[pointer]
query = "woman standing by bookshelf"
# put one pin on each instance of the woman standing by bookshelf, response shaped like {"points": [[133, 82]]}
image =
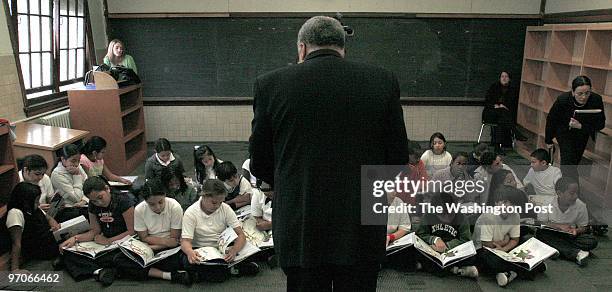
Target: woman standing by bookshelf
{"points": [[572, 126], [572, 119]]}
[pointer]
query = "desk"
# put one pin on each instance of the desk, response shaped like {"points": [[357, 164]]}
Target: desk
{"points": [[44, 141]]}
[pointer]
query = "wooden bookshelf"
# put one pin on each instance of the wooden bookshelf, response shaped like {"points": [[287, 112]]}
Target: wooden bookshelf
{"points": [[8, 168], [117, 115], [554, 55]]}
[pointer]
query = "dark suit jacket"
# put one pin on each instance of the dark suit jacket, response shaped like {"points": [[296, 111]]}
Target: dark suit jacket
{"points": [[315, 124]]}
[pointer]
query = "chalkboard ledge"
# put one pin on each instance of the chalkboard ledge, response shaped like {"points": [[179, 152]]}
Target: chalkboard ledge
{"points": [[228, 101]]}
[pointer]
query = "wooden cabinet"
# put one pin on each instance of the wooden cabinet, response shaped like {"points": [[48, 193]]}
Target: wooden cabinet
{"points": [[8, 168], [117, 116], [554, 55]]}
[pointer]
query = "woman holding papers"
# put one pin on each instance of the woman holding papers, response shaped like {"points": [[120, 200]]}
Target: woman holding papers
{"points": [[29, 227], [111, 219], [157, 221], [572, 119]]}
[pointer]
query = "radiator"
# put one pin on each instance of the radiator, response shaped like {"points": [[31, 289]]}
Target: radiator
{"points": [[58, 119]]}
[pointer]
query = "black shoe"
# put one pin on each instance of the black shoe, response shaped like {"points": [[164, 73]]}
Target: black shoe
{"points": [[106, 276], [599, 230], [245, 269], [273, 261], [58, 264], [181, 278]]}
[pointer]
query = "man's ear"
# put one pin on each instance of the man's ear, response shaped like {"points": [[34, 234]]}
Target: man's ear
{"points": [[301, 52]]}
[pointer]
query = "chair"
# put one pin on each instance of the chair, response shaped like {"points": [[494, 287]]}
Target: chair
{"points": [[492, 126]]}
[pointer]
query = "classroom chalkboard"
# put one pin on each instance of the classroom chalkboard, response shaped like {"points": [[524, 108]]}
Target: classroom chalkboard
{"points": [[220, 57]]}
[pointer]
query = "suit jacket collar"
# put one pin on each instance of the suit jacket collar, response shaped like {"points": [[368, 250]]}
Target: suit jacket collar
{"points": [[322, 52]]}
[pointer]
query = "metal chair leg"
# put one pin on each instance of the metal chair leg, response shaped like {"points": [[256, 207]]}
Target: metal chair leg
{"points": [[480, 135]]}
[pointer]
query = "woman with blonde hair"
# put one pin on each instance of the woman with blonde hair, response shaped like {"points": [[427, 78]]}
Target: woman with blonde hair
{"points": [[116, 56]]}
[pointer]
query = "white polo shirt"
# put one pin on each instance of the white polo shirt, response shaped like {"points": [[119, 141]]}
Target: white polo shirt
{"points": [[158, 225], [543, 182], [46, 188], [490, 227], [397, 221], [203, 229], [575, 214], [259, 207], [14, 217]]}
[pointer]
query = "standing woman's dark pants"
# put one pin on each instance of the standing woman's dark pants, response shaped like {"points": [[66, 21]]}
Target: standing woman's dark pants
{"points": [[572, 147], [502, 133]]}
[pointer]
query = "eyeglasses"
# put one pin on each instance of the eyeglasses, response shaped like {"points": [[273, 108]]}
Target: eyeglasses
{"points": [[586, 93]]}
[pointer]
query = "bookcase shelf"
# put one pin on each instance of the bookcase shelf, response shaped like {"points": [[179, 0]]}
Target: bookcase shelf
{"points": [[554, 55], [8, 168], [118, 117]]}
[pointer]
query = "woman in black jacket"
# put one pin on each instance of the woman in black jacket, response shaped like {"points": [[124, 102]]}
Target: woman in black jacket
{"points": [[572, 130], [501, 103]]}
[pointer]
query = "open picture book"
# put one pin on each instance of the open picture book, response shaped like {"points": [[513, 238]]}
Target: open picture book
{"points": [[94, 250], [447, 258], [142, 254], [71, 228], [260, 239], [132, 179], [214, 255], [527, 255], [400, 244]]}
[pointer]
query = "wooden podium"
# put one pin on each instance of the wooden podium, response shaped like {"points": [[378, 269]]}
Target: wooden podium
{"points": [[115, 114]]}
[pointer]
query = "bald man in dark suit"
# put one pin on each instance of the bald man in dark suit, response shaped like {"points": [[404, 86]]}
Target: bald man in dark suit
{"points": [[315, 124]]}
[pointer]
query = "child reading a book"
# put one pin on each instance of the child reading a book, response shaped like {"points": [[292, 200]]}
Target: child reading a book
{"points": [[29, 227], [398, 225], [33, 168], [111, 218], [501, 232], [92, 160], [157, 221], [67, 179], [203, 222], [415, 171], [261, 208], [163, 158], [541, 177], [174, 182], [569, 214], [444, 231], [205, 162], [239, 189]]}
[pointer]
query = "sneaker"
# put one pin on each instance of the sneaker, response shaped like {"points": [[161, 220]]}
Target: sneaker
{"points": [[468, 271], [106, 276], [245, 269], [581, 258], [181, 278], [504, 278]]}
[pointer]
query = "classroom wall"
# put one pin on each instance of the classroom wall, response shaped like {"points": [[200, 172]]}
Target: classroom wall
{"points": [[233, 123], [387, 6], [98, 28], [10, 90], [560, 6]]}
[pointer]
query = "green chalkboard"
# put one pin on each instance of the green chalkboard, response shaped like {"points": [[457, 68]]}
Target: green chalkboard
{"points": [[220, 57]]}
